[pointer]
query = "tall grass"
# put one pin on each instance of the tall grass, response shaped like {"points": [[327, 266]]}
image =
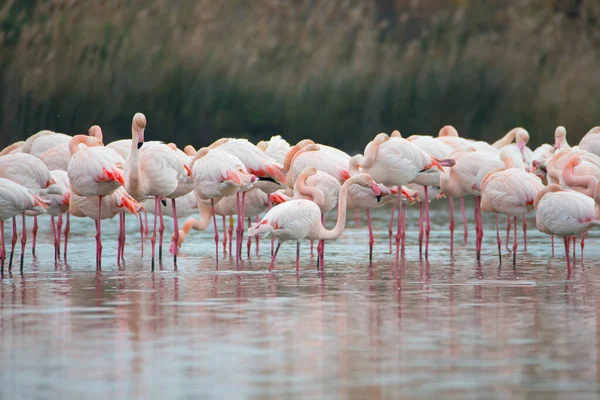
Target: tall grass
{"points": [[338, 71]]}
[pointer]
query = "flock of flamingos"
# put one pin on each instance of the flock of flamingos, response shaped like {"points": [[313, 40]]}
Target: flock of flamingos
{"points": [[296, 186]]}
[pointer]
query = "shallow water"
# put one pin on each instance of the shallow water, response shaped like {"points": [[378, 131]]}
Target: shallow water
{"points": [[446, 328]]}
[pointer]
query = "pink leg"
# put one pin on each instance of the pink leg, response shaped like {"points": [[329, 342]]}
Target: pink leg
{"points": [[249, 242], [498, 241], [421, 229], [515, 243], [123, 215], [13, 242], [427, 222], [312, 243], [53, 225], [403, 212], [147, 227], [257, 238], [391, 227], [238, 229], [224, 235], [58, 232], [524, 233], [480, 238], [398, 234], [574, 238], [230, 235], [212, 205], [153, 239], [321, 246], [270, 203], [297, 256], [141, 234], [175, 230], [99, 235], [161, 232], [371, 239], [476, 212], [582, 245], [34, 231], [552, 246], [272, 265], [67, 230], [119, 239], [567, 241], [508, 226], [243, 210], [356, 217], [3, 249], [23, 241], [451, 209], [464, 218]]}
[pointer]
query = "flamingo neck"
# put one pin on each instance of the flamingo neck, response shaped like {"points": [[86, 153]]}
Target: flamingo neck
{"points": [[548, 189], [588, 182], [341, 213], [371, 150], [309, 191], [506, 139]]}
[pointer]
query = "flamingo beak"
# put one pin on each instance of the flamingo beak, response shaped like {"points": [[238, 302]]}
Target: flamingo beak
{"points": [[188, 171], [376, 190], [407, 194], [130, 204], [140, 136], [39, 202]]}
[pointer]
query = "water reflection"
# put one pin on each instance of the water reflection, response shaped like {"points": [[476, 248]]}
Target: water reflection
{"points": [[443, 327]]}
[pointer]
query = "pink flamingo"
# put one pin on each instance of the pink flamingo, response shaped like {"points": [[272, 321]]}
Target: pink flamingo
{"points": [[152, 170], [42, 141], [14, 200], [12, 148], [299, 219], [511, 192], [218, 174], [94, 170], [30, 172], [591, 141], [565, 213], [324, 158]]}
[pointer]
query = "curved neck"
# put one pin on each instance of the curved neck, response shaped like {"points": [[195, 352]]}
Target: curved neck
{"points": [[197, 224], [354, 164], [371, 150], [507, 139], [309, 191], [287, 161], [95, 131], [89, 141], [341, 213], [588, 182]]}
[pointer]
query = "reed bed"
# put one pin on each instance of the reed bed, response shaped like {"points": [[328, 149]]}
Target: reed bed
{"points": [[338, 71]]}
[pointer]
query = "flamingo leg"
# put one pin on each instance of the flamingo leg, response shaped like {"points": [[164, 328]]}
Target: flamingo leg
{"points": [[249, 242], [582, 244], [391, 227], [257, 238], [142, 233], [243, 210], [321, 246], [464, 218], [515, 243], [297, 256], [403, 212], [480, 237], [212, 205], [23, 241], [238, 230], [161, 232], [398, 235], [421, 229], [175, 230], [552, 246], [499, 241], [272, 265], [508, 227], [53, 225], [59, 224], [427, 222], [451, 209], [119, 239], [270, 204], [34, 234], [123, 215], [371, 239], [99, 235], [224, 235], [524, 232], [147, 227], [230, 235], [67, 230], [13, 242], [3, 249], [153, 239], [476, 212], [567, 241], [312, 243]]}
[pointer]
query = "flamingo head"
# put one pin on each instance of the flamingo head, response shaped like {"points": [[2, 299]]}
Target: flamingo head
{"points": [[138, 126], [522, 138], [95, 131], [448, 131], [189, 150], [559, 137]]}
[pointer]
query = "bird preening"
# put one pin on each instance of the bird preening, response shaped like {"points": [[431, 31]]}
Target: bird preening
{"points": [[285, 192]]}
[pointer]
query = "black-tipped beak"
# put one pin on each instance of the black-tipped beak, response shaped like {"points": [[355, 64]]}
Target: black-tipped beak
{"points": [[164, 202], [378, 197], [140, 144]]}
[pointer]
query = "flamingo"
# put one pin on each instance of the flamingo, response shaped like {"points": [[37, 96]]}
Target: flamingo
{"points": [[13, 148], [42, 141], [14, 200], [152, 170], [219, 174], [511, 192], [94, 170], [565, 213], [591, 141], [30, 172], [299, 219], [520, 136], [324, 158], [276, 148]]}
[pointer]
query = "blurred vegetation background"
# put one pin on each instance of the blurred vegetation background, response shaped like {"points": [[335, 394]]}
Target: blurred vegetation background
{"points": [[336, 71]]}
